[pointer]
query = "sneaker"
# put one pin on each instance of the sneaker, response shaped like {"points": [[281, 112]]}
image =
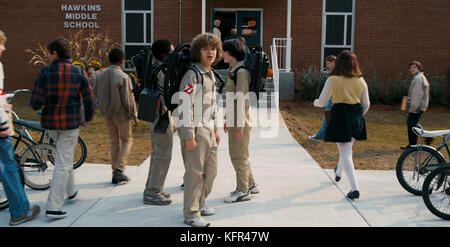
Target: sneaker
{"points": [[119, 177], [197, 222], [207, 211], [73, 196], [182, 186], [56, 214], [253, 189], [157, 200], [237, 196], [31, 214]]}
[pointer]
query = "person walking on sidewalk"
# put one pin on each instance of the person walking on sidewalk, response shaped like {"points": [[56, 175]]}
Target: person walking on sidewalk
{"points": [[330, 63], [198, 131], [238, 86], [350, 96], [57, 92], [418, 96], [19, 206], [113, 89], [161, 135]]}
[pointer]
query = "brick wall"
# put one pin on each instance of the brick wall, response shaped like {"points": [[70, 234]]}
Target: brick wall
{"points": [[388, 33], [29, 23]]}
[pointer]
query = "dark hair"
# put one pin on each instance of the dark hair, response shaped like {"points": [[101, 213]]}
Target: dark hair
{"points": [[347, 65], [235, 48], [62, 47], [161, 48], [418, 65], [330, 58], [116, 55], [204, 40]]}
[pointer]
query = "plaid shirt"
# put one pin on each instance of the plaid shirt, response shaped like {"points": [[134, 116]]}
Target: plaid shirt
{"points": [[58, 89]]}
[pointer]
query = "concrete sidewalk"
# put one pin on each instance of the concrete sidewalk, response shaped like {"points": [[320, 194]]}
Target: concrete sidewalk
{"points": [[295, 191]]}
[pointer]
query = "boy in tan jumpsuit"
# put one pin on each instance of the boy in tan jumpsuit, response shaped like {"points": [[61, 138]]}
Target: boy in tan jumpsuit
{"points": [[162, 141], [238, 84], [198, 130]]}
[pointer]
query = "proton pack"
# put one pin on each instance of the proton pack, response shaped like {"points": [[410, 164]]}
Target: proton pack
{"points": [[258, 66]]}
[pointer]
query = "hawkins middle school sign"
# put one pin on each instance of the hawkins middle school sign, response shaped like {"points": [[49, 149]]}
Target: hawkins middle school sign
{"points": [[81, 15]]}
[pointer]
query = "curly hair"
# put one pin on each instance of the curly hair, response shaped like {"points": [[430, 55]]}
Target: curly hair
{"points": [[205, 40]]}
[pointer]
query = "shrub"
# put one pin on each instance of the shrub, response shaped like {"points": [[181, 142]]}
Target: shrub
{"points": [[311, 83]]}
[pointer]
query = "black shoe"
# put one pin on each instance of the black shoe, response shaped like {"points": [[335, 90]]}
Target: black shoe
{"points": [[406, 147], [119, 177], [337, 178], [73, 196], [353, 194], [56, 214], [182, 187]]}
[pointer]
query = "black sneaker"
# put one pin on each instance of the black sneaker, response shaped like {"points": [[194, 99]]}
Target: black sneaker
{"points": [[119, 177], [73, 196], [182, 186], [56, 214], [156, 200]]}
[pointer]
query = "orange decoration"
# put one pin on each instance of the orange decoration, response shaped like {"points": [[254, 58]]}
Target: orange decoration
{"points": [[251, 23], [246, 31], [269, 73]]}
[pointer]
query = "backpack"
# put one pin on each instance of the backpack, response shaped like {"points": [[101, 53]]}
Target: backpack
{"points": [[258, 66], [142, 67], [175, 67]]}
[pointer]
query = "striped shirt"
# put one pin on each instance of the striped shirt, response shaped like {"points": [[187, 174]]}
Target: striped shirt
{"points": [[58, 90]]}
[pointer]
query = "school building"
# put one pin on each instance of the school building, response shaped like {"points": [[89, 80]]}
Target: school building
{"points": [[385, 34]]}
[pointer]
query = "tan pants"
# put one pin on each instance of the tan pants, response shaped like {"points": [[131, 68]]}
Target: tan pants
{"points": [[62, 184], [239, 153], [201, 170], [159, 161], [121, 140]]}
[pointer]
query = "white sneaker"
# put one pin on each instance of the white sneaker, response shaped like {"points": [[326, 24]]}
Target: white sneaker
{"points": [[253, 189], [197, 222], [237, 196], [207, 211]]}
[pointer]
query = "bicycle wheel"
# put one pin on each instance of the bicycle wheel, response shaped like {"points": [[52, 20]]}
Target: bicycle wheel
{"points": [[436, 192], [3, 200], [38, 164], [410, 173], [80, 154]]}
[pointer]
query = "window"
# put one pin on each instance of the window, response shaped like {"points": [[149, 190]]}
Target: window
{"points": [[137, 26], [337, 27]]}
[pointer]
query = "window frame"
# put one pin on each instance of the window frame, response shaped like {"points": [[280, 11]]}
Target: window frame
{"points": [[324, 30], [124, 27]]}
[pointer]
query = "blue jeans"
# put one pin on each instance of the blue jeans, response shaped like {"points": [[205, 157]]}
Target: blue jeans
{"points": [[9, 174], [321, 134]]}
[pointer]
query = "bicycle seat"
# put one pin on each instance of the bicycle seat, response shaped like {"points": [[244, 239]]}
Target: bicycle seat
{"points": [[29, 124], [425, 133]]}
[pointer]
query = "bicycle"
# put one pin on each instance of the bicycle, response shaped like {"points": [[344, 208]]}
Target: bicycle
{"points": [[436, 192], [418, 161], [36, 158]]}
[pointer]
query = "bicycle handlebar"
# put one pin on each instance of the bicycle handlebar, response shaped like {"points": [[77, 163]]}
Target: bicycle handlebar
{"points": [[10, 96]]}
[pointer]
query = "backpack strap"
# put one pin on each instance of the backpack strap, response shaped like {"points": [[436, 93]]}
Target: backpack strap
{"points": [[234, 76], [197, 72]]}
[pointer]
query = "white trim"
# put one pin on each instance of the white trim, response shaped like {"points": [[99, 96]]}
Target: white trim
{"points": [[203, 16], [288, 36], [261, 38]]}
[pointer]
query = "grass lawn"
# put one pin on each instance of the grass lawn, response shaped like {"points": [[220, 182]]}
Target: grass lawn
{"points": [[96, 135], [386, 133]]}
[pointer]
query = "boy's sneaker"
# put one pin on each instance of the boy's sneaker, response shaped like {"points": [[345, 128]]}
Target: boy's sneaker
{"points": [[31, 214], [73, 196], [197, 222], [253, 189], [119, 177], [237, 196], [56, 214], [182, 186], [156, 200], [207, 211]]}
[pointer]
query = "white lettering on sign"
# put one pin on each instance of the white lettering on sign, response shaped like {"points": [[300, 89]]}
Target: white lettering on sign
{"points": [[77, 17]]}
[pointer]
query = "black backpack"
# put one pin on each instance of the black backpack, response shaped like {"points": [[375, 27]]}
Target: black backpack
{"points": [[258, 66], [143, 70], [175, 67]]}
